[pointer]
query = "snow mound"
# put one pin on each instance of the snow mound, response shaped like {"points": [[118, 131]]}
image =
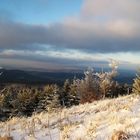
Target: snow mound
{"points": [[95, 121]]}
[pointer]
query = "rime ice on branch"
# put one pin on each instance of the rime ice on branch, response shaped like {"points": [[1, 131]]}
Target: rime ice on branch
{"points": [[96, 85]]}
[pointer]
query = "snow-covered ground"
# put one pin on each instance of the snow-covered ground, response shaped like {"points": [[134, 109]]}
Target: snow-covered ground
{"points": [[96, 121]]}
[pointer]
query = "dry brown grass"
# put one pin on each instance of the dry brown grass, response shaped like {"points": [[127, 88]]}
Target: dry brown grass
{"points": [[120, 135], [6, 138]]}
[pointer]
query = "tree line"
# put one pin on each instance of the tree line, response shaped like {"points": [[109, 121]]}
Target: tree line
{"points": [[23, 100]]}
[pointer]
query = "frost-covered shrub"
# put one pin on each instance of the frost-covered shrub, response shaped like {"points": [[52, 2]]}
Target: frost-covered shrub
{"points": [[88, 88], [96, 85], [136, 84], [106, 82]]}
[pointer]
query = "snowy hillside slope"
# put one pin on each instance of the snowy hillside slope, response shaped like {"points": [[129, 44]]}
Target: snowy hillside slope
{"points": [[100, 120]]}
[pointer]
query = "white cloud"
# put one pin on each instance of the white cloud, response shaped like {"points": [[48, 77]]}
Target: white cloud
{"points": [[112, 9]]}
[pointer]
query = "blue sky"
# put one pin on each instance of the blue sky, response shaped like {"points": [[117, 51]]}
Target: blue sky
{"points": [[40, 11], [68, 34]]}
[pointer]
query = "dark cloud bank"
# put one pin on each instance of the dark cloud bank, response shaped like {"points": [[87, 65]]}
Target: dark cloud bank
{"points": [[20, 36]]}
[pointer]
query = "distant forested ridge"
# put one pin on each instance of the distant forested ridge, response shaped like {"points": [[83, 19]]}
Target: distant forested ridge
{"points": [[36, 77]]}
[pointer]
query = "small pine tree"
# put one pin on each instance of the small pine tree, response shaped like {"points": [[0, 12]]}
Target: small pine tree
{"points": [[136, 85], [65, 94], [74, 98], [68, 94], [50, 99], [1, 101], [25, 102]]}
